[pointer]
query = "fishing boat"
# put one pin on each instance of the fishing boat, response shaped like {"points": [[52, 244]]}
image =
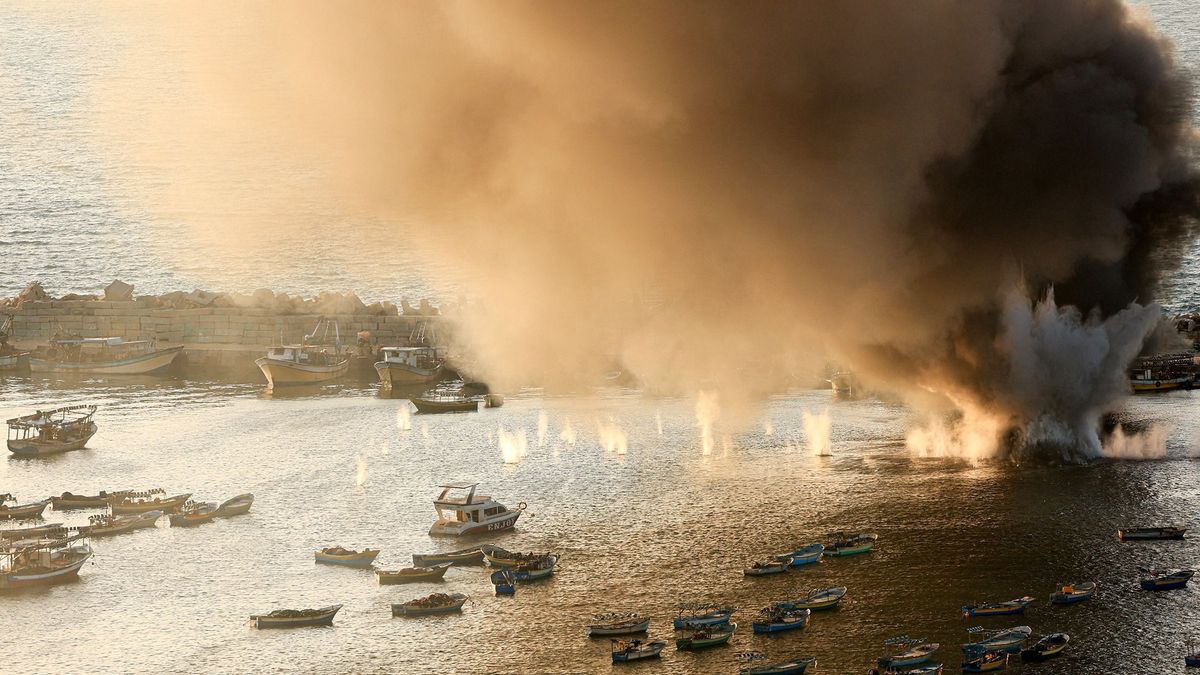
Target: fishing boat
{"points": [[103, 356], [408, 365], [998, 608], [759, 569], [692, 616], [51, 531], [51, 432], [912, 652], [805, 555], [635, 650], [42, 562], [986, 662], [466, 556], [850, 544], [705, 637], [1004, 640], [498, 557], [461, 512], [504, 582], [296, 618], [67, 501], [1069, 594], [104, 525], [1163, 372], [777, 620], [432, 404], [618, 624], [151, 500], [410, 575], [11, 510], [309, 362], [1165, 580], [236, 506], [1046, 648], [336, 555], [1148, 533], [539, 568], [194, 513], [435, 603], [797, 666], [816, 600]]}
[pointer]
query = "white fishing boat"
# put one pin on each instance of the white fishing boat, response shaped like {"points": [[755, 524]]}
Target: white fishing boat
{"points": [[51, 432], [15, 511], [618, 624], [461, 512], [42, 562], [408, 365], [102, 356], [310, 362]]}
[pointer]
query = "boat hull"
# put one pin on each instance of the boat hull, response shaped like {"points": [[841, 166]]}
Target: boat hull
{"points": [[692, 644], [144, 364], [399, 374], [14, 362], [761, 628], [712, 619], [468, 557], [798, 667], [1163, 584], [192, 519], [1167, 384], [84, 502], [454, 528], [165, 505], [236, 506], [35, 448], [431, 407], [58, 576], [1151, 534], [650, 651], [284, 373], [145, 520], [363, 559], [24, 511], [626, 628], [323, 619], [386, 578]]}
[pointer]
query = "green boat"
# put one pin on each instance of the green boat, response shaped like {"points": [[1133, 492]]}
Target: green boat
{"points": [[707, 637], [850, 544]]}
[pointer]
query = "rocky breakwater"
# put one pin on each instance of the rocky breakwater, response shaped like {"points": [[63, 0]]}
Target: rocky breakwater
{"points": [[219, 330]]}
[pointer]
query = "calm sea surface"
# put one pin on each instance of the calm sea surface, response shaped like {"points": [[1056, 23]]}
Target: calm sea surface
{"points": [[661, 524]]}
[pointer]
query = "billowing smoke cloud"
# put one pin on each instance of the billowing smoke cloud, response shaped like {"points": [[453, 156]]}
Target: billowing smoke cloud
{"points": [[721, 197]]}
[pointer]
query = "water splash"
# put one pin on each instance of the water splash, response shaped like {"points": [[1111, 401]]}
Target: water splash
{"points": [[568, 433], [543, 427], [818, 429], [1148, 444], [768, 427], [612, 436], [658, 421], [513, 445], [425, 430], [404, 417], [708, 410], [360, 471]]}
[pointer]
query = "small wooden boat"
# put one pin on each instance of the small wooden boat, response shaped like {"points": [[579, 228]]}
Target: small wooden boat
{"points": [[635, 650], [336, 555], [1069, 594], [539, 568], [10, 510], [52, 432], [805, 555], [408, 365], [1148, 533], [461, 512], [1165, 580], [504, 581], [235, 506], [436, 603], [1046, 648], [103, 356], [67, 501], [703, 638], [51, 531], [797, 666], [498, 557], [296, 618], [913, 652], [141, 502], [411, 575], [432, 405], [194, 513], [618, 624], [104, 525], [816, 600], [1005, 640], [844, 544], [998, 608], [695, 616], [466, 556], [759, 569], [986, 662], [776, 620], [42, 563]]}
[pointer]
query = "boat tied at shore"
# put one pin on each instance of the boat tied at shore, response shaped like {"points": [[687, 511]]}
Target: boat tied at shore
{"points": [[103, 525], [67, 501], [51, 432], [461, 512], [194, 513], [309, 362], [399, 366], [102, 356], [42, 562], [11, 510], [150, 500]]}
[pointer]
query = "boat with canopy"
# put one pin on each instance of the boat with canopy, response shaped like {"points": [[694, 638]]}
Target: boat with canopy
{"points": [[461, 512], [103, 356], [42, 562], [51, 432]]}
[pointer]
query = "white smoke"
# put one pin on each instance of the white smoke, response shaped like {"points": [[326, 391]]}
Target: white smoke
{"points": [[708, 410], [818, 429], [1148, 444]]}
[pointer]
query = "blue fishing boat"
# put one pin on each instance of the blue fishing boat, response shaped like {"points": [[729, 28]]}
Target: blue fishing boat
{"points": [[1165, 580], [998, 608], [797, 666], [691, 616], [505, 582], [913, 652], [805, 555], [539, 568], [1069, 594], [1005, 640], [816, 600], [777, 620]]}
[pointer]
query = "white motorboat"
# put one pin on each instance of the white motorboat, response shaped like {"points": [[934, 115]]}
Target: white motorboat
{"points": [[461, 512], [408, 365]]}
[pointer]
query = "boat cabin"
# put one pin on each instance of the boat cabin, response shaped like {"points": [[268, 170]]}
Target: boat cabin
{"points": [[62, 424], [468, 507], [97, 349], [426, 358], [312, 355]]}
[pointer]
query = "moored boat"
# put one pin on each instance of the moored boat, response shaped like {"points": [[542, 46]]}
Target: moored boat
{"points": [[763, 568], [504, 582], [11, 510], [923, 669], [618, 624], [433, 404], [778, 620], [67, 501], [103, 356], [1068, 594], [296, 618], [1046, 648], [539, 568], [498, 557], [42, 562], [466, 556], [692, 616], [104, 525], [826, 598], [805, 555], [850, 544], [408, 365], [410, 575], [309, 362], [194, 513], [51, 432], [797, 666], [461, 512], [635, 650], [705, 637], [998, 608], [1150, 533], [1165, 580], [336, 555], [435, 603], [151, 500], [912, 652], [986, 662], [236, 506], [51, 531], [1005, 640]]}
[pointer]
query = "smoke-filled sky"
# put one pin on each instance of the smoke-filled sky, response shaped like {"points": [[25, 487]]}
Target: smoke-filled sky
{"points": [[726, 196]]}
